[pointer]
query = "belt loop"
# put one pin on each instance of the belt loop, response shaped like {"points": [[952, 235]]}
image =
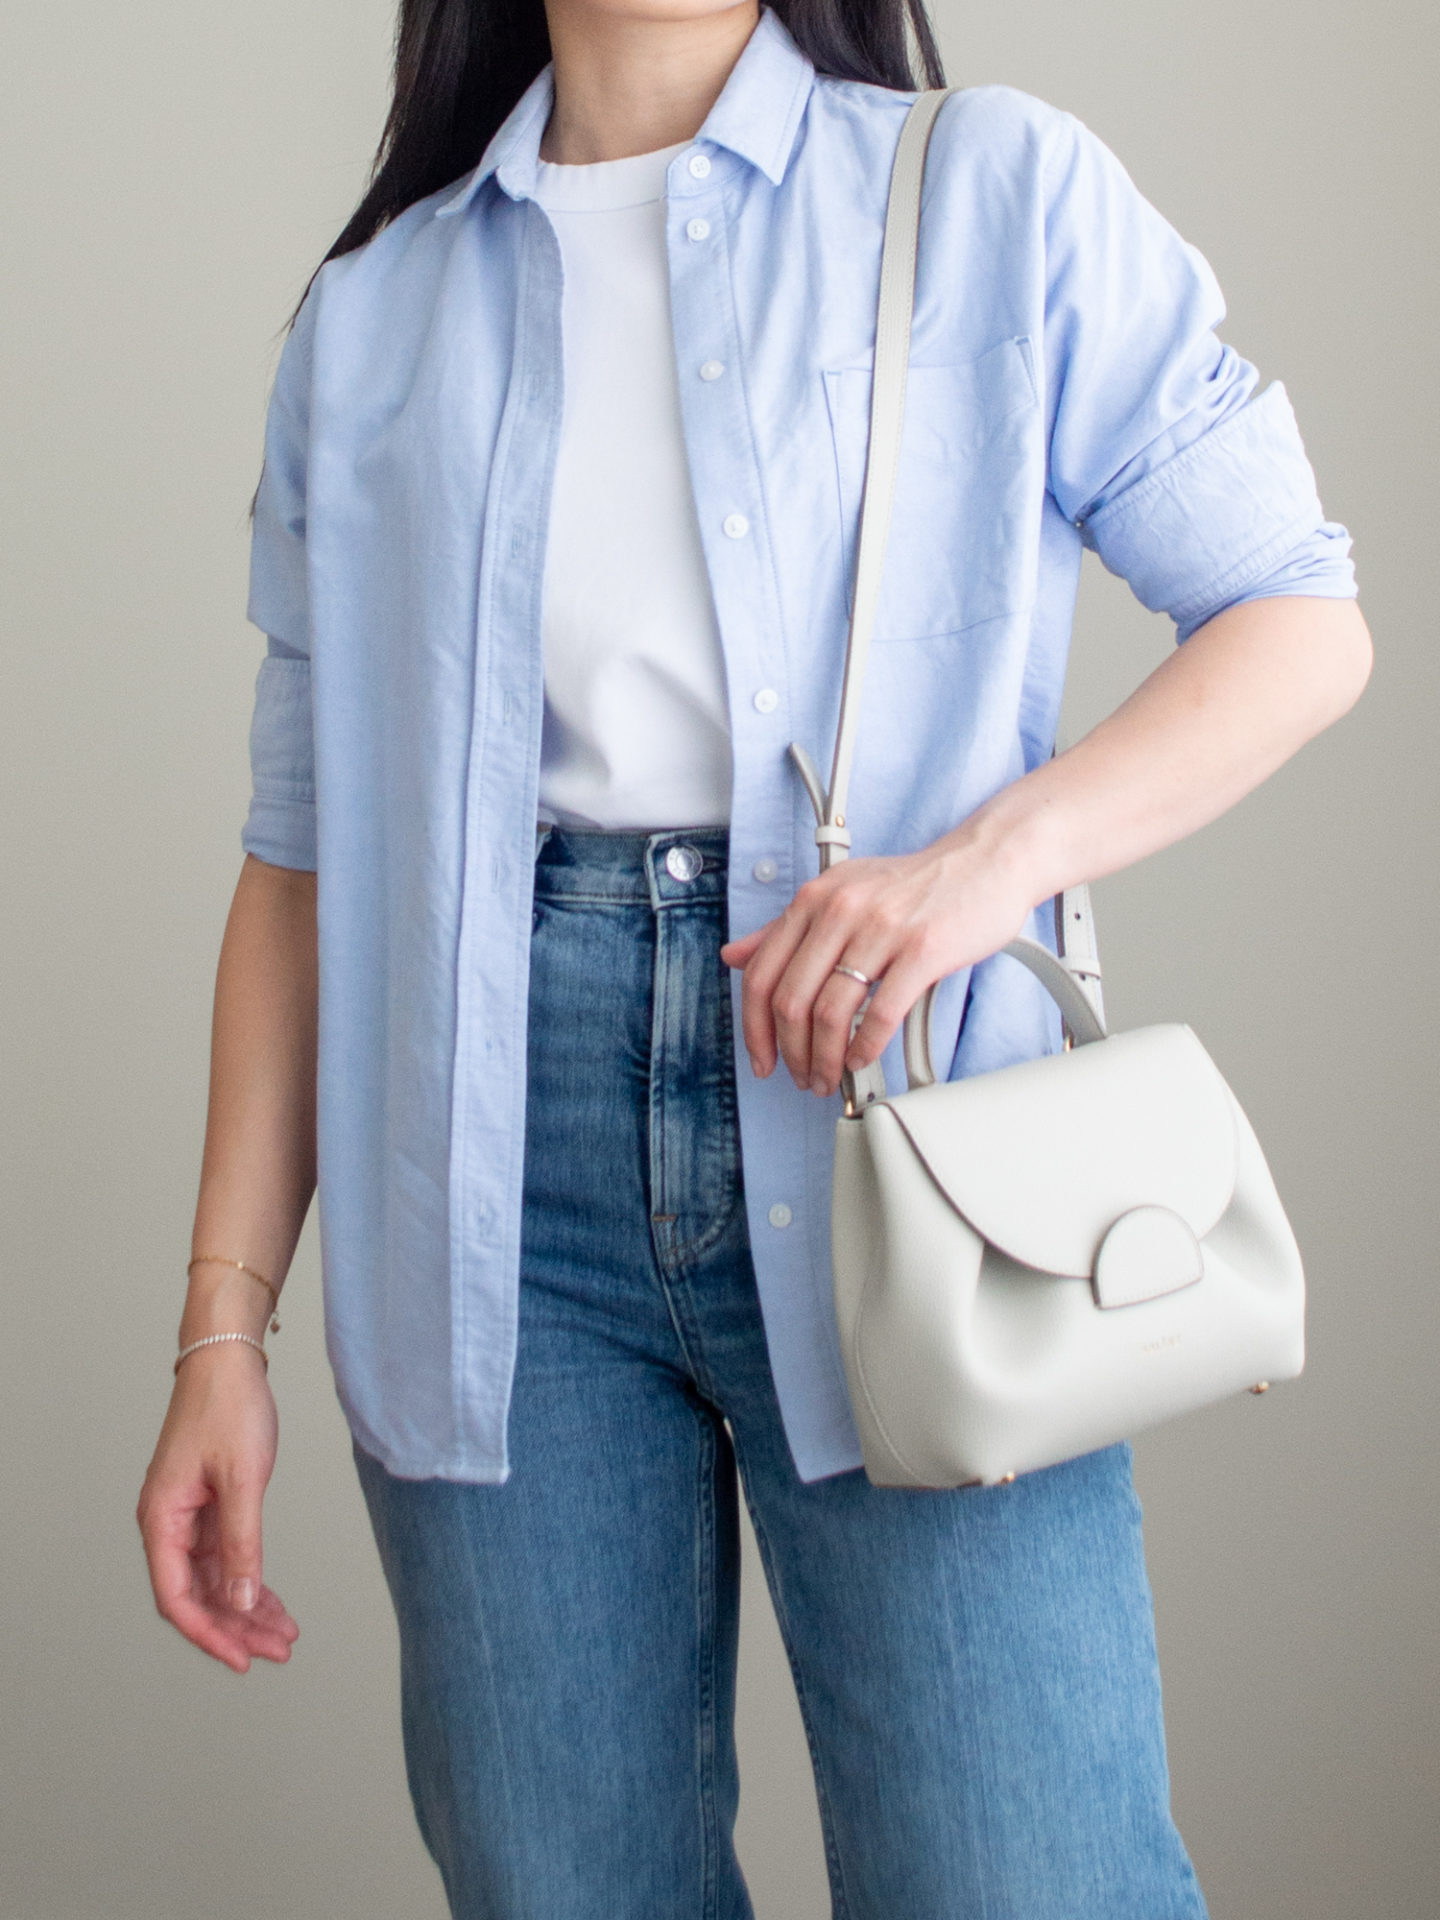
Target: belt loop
{"points": [[542, 834], [653, 864]]}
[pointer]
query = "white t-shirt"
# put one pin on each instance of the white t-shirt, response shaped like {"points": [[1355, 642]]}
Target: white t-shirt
{"points": [[637, 730]]}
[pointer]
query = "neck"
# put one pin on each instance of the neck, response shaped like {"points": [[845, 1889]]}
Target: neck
{"points": [[626, 83]]}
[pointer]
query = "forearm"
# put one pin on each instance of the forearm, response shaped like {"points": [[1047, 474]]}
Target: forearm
{"points": [[1212, 722], [258, 1169], [1243, 693]]}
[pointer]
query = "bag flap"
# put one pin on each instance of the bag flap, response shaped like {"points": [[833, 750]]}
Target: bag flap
{"points": [[1042, 1158]]}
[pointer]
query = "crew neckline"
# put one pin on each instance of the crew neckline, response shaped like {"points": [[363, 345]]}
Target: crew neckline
{"points": [[600, 185]]}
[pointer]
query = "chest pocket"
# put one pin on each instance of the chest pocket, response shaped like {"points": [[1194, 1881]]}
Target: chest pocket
{"points": [[968, 489]]}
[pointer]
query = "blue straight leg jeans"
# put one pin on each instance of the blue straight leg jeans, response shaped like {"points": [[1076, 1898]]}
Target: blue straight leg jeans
{"points": [[976, 1669]]}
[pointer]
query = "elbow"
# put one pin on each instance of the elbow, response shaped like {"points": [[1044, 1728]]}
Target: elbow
{"points": [[1353, 658]]}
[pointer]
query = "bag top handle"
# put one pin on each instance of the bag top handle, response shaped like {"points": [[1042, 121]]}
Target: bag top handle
{"points": [[1073, 979]]}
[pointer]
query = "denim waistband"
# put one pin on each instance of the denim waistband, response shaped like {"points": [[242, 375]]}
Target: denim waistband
{"points": [[667, 867]]}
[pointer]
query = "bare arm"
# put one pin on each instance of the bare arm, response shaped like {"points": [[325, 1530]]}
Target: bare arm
{"points": [[1217, 717], [200, 1507]]}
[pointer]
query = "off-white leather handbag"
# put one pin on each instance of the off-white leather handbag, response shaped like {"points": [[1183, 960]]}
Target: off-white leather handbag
{"points": [[1039, 1261]]}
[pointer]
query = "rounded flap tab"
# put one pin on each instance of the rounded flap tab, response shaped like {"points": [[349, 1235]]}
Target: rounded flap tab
{"points": [[1148, 1252], [1043, 1158]]}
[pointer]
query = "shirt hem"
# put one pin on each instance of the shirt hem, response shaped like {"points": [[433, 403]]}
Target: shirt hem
{"points": [[403, 1463]]}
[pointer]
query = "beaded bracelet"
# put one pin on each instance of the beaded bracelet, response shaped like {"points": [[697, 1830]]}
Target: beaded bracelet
{"points": [[223, 1260], [214, 1339]]}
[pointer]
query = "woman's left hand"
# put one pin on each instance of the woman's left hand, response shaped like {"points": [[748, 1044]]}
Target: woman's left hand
{"points": [[1208, 725], [905, 921]]}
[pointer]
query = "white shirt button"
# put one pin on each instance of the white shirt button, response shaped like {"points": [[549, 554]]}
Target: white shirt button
{"points": [[699, 165], [711, 369], [698, 229], [766, 700], [780, 1215], [736, 525], [765, 870]]}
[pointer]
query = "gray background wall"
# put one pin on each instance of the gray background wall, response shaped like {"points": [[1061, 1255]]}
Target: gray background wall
{"points": [[170, 174]]}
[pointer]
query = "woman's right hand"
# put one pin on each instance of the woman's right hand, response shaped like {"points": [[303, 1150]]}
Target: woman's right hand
{"points": [[199, 1510]]}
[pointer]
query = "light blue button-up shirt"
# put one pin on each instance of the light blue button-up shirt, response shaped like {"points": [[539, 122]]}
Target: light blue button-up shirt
{"points": [[1066, 390]]}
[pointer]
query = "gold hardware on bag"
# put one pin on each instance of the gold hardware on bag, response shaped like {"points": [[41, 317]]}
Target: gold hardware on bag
{"points": [[1260, 1386]]}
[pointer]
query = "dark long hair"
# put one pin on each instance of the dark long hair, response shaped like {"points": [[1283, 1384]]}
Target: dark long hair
{"points": [[461, 65]]}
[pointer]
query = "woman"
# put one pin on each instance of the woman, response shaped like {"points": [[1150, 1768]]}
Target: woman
{"points": [[555, 531]]}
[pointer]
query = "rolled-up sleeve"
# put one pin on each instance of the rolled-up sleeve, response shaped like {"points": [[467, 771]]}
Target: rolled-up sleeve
{"points": [[1188, 483], [280, 825]]}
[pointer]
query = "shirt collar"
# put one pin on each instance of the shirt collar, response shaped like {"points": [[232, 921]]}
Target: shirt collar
{"points": [[757, 116]]}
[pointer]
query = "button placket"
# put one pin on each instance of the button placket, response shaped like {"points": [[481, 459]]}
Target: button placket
{"points": [[720, 447]]}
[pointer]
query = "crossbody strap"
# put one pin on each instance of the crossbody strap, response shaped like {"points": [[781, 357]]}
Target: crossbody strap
{"points": [[895, 306], [882, 458]]}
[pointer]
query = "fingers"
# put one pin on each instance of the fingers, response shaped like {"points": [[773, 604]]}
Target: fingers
{"points": [[735, 953], [202, 1545], [904, 982], [171, 1531], [903, 920], [267, 1632], [768, 957], [794, 1004], [814, 1019], [881, 917], [271, 1618], [264, 1630], [239, 1497]]}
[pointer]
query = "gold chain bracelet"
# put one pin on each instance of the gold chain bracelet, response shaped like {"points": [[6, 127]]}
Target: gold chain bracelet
{"points": [[223, 1260]]}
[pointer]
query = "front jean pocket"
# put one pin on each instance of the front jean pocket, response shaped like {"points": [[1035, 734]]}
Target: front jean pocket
{"points": [[968, 490]]}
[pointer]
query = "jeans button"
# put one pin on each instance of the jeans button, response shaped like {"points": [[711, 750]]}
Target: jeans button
{"points": [[683, 863]]}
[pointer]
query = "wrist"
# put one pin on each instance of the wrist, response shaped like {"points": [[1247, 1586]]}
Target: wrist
{"points": [[223, 1300], [228, 1347], [1020, 834]]}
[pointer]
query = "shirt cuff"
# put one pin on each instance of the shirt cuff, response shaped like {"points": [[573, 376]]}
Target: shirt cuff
{"points": [[1319, 565], [280, 826], [1204, 527]]}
